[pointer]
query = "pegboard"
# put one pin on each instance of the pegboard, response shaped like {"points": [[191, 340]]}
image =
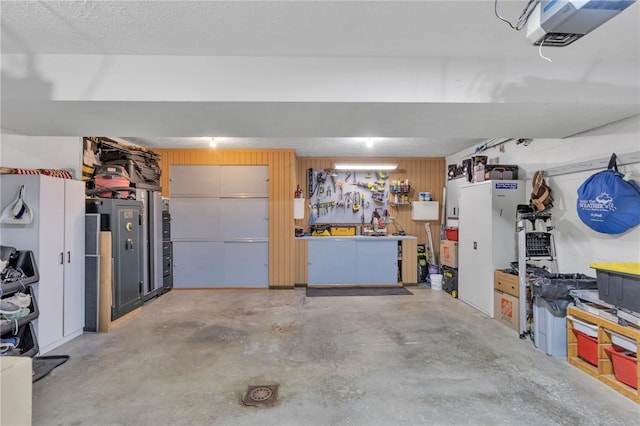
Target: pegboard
{"points": [[338, 196]]}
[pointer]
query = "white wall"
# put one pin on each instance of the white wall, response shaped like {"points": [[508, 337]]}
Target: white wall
{"points": [[31, 152], [577, 245]]}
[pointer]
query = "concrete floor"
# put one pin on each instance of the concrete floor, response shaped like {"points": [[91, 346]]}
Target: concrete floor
{"points": [[391, 360]]}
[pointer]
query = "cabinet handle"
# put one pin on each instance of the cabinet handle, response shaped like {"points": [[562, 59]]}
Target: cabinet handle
{"points": [[62, 258], [68, 257], [475, 245]]}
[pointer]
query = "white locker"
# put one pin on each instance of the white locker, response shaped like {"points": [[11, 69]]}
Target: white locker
{"points": [[487, 238]]}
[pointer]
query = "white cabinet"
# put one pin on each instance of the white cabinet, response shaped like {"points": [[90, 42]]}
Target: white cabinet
{"points": [[487, 238], [198, 264], [244, 181], [377, 262], [331, 261], [348, 262], [195, 181], [220, 226], [205, 264], [245, 264], [244, 218], [195, 218], [74, 252], [56, 237]]}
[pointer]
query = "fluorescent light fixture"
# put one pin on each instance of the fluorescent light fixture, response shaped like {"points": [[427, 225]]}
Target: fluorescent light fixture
{"points": [[365, 166]]}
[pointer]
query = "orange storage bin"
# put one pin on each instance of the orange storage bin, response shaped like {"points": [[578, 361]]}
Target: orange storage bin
{"points": [[625, 365], [587, 347]]}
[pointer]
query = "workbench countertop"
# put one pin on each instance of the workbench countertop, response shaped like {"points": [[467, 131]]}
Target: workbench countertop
{"points": [[360, 237]]}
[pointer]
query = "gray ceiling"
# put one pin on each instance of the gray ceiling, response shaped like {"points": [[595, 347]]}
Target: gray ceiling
{"points": [[423, 78]]}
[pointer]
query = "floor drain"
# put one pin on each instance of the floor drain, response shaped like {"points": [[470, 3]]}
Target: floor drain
{"points": [[261, 396]]}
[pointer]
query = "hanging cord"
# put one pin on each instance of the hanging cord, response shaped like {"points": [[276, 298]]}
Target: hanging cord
{"points": [[540, 51], [524, 16]]}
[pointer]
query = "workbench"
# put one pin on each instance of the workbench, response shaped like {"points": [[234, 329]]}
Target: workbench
{"points": [[361, 260]]}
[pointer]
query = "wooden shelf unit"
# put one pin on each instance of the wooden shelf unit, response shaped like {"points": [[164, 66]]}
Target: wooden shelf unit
{"points": [[604, 370]]}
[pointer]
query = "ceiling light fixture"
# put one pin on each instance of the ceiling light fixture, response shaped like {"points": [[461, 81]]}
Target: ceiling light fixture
{"points": [[213, 143], [365, 166]]}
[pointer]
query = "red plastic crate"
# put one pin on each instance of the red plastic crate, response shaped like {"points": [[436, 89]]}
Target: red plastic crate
{"points": [[624, 365], [587, 347]]}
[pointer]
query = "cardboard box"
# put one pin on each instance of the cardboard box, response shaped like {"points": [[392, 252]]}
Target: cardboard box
{"points": [[449, 253], [15, 390], [506, 283], [507, 310]]}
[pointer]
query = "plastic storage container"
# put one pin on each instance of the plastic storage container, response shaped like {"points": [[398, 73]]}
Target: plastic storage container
{"points": [[11, 327], [587, 347], [24, 261], [550, 332], [451, 233], [625, 365], [587, 335], [28, 344], [619, 284], [436, 281], [624, 342], [584, 327]]}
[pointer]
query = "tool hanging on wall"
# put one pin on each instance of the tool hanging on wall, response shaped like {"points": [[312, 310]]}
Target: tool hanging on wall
{"points": [[356, 202], [432, 256], [17, 211]]}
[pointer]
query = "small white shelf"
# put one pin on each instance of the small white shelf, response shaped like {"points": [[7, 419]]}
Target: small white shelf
{"points": [[425, 210]]}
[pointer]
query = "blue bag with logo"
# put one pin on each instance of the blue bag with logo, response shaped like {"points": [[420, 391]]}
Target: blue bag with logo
{"points": [[609, 203]]}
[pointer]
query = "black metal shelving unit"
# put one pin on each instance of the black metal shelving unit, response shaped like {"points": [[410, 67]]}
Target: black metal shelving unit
{"points": [[22, 328]]}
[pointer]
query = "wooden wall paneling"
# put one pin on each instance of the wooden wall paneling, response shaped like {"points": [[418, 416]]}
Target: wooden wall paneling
{"points": [[426, 174], [409, 262], [287, 257]]}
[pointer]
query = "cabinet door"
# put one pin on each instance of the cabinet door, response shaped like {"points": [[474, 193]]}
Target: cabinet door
{"points": [[377, 262], [198, 264], [127, 256], [244, 181], [475, 266], [242, 218], [246, 264], [194, 181], [74, 230], [195, 219], [331, 261], [506, 197], [50, 257]]}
